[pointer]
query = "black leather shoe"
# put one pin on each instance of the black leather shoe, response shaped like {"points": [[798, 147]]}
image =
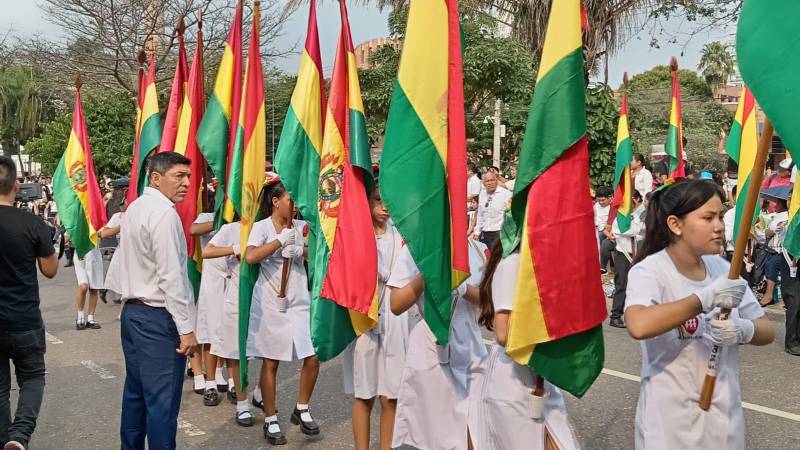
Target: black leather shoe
{"points": [[222, 387], [93, 325], [616, 322], [793, 351], [309, 428], [244, 419], [232, 395], [103, 293], [212, 397], [69, 264], [277, 438], [258, 404], [80, 325]]}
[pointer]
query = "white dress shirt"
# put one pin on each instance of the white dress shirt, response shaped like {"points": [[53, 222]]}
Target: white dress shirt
{"points": [[152, 259], [643, 181], [474, 186], [491, 209]]}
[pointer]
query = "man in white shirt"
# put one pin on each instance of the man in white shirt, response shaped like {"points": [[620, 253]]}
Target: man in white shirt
{"points": [[474, 181], [642, 178], [493, 201], [157, 319]]}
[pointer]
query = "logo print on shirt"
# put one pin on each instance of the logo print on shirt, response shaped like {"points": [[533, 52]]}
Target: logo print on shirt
{"points": [[688, 328]]}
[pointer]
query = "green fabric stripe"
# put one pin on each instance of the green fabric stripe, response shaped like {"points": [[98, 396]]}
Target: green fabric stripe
{"points": [[672, 148], [71, 211], [237, 171], [194, 277], [359, 147], [571, 363], [297, 163], [623, 160], [248, 275], [212, 137], [623, 222], [741, 196], [557, 120], [420, 209], [148, 141], [734, 143], [792, 241]]}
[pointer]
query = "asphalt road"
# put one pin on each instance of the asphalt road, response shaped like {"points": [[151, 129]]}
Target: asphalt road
{"points": [[86, 372]]}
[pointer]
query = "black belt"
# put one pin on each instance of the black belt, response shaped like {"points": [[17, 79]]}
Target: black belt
{"points": [[135, 301]]}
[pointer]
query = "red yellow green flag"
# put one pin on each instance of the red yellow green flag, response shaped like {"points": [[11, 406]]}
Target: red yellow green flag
{"points": [[623, 183], [346, 257], [559, 306], [217, 133], [186, 144], [425, 136], [741, 146], [148, 131], [75, 188], [674, 146], [766, 48], [247, 175], [176, 96]]}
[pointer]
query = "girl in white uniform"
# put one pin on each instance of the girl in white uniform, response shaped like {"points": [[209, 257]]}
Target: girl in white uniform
{"points": [[673, 299], [112, 228], [513, 418], [89, 272], [209, 314], [438, 400], [279, 328], [374, 362]]}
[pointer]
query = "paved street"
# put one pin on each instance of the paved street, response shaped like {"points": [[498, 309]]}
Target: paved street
{"points": [[86, 373]]}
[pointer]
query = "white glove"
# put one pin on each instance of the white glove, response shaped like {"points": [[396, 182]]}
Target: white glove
{"points": [[292, 251], [722, 293], [236, 250], [286, 237], [733, 331]]}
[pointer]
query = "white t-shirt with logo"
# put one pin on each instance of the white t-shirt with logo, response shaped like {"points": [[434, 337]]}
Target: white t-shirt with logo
{"points": [[674, 365]]}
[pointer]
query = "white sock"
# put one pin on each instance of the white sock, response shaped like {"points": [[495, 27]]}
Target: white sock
{"points": [[211, 384], [242, 405], [231, 384], [199, 381], [80, 316], [219, 377], [90, 318], [272, 418], [301, 406], [257, 394]]}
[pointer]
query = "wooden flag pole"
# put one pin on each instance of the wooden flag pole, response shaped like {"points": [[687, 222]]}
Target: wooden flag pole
{"points": [[756, 177]]}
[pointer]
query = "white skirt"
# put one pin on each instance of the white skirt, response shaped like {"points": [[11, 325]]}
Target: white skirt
{"points": [[431, 414], [505, 409], [210, 300], [374, 362], [226, 344], [89, 270], [276, 335]]}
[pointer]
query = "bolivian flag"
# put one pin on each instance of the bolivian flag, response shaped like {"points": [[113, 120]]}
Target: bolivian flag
{"points": [[623, 183], [186, 144], [344, 290], [766, 48], [674, 145], [423, 165], [75, 187], [555, 327], [217, 133], [176, 96], [148, 131], [741, 146], [247, 175]]}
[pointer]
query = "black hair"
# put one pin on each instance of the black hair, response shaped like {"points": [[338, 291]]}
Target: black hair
{"points": [[678, 199], [8, 175], [604, 191], [271, 191], [636, 194], [486, 305], [474, 169], [640, 157], [733, 190], [162, 162]]}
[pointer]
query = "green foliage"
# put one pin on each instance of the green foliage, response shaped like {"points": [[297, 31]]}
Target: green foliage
{"points": [[717, 63], [601, 128], [23, 104], [703, 118], [109, 120], [279, 87]]}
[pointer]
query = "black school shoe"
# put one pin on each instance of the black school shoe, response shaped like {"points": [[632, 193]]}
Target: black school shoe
{"points": [[616, 322], [244, 418], [308, 428], [93, 325], [222, 387], [212, 397], [80, 325], [258, 403], [232, 395], [277, 438]]}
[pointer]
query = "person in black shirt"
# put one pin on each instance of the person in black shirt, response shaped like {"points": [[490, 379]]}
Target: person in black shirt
{"points": [[26, 241]]}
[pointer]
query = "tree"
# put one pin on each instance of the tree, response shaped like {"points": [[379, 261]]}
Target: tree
{"points": [[279, 87], [102, 38], [109, 120], [717, 63], [602, 114], [703, 117]]}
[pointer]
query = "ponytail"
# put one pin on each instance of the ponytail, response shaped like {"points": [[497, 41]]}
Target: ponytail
{"points": [[486, 305], [270, 191], [677, 199]]}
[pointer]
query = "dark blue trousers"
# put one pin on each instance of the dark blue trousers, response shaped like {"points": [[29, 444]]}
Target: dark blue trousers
{"points": [[153, 378]]}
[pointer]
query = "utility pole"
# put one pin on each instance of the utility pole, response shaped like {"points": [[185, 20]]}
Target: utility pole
{"points": [[273, 131], [498, 105]]}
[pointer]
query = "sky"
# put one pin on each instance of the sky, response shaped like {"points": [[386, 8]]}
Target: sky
{"points": [[367, 22]]}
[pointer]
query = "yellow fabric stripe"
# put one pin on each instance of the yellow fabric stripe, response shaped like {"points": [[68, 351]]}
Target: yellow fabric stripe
{"points": [[253, 172], [673, 113], [332, 159], [353, 87], [625, 207], [748, 146], [426, 45], [74, 162], [739, 116], [563, 34], [306, 101], [526, 326], [150, 106], [622, 129], [794, 204], [363, 323], [184, 124], [222, 85]]}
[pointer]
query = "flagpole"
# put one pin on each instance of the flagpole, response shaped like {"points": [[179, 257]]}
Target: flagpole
{"points": [[756, 177]]}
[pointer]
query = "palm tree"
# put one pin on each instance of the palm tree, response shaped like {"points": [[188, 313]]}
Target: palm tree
{"points": [[21, 108], [717, 63]]}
